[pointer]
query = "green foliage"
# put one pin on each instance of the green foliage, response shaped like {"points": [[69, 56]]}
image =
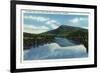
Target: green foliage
{"points": [[73, 33]]}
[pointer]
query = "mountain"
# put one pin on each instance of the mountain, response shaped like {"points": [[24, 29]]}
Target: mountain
{"points": [[76, 34], [61, 30], [73, 33], [65, 30]]}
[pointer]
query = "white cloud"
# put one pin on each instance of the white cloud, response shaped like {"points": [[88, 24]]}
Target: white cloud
{"points": [[28, 26], [85, 27], [51, 21], [52, 24], [38, 18], [44, 27], [75, 20], [34, 29], [82, 19]]}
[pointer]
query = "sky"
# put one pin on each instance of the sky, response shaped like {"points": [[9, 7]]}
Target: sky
{"points": [[42, 22]]}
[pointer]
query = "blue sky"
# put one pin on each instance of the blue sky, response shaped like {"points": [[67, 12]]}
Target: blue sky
{"points": [[40, 22]]}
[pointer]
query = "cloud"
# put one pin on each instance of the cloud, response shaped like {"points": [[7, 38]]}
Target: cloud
{"points": [[79, 22], [37, 18], [47, 23], [28, 26], [75, 20], [33, 29], [43, 23], [85, 27], [51, 21], [44, 27], [82, 19], [52, 24]]}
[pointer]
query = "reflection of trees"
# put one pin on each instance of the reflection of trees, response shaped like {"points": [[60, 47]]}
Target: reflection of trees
{"points": [[41, 39], [36, 41], [81, 37]]}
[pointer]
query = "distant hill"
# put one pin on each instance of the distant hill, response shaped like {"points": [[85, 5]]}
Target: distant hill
{"points": [[73, 33], [65, 30], [61, 30]]}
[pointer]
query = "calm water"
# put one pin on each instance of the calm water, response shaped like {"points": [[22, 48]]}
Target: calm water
{"points": [[61, 48]]}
